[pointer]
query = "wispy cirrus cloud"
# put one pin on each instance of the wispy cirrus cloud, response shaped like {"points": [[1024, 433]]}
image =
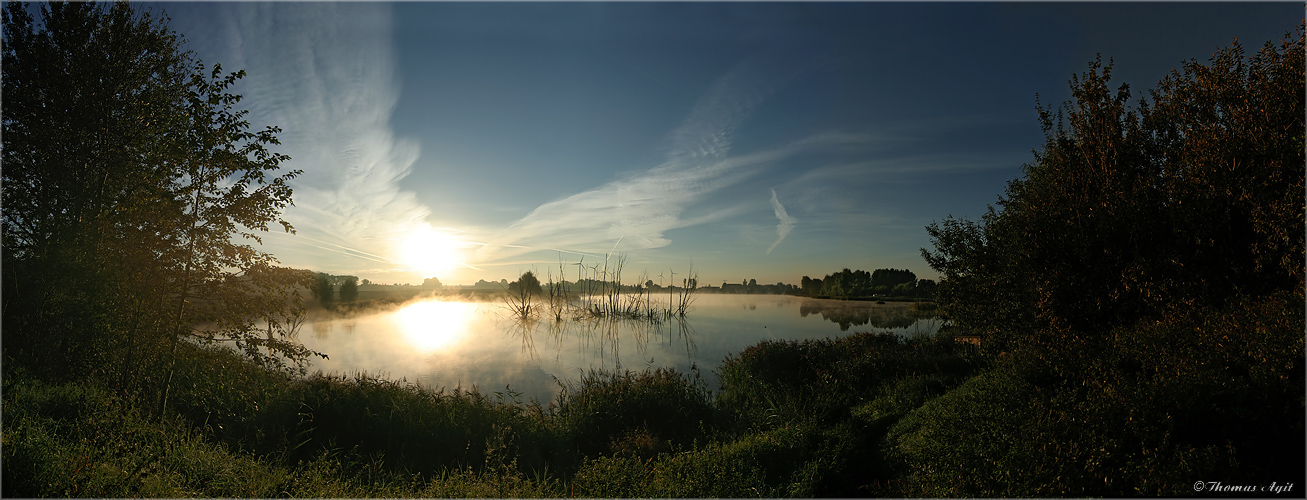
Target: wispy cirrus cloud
{"points": [[786, 223], [640, 209], [325, 73]]}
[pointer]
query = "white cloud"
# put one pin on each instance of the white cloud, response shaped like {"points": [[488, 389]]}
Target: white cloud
{"points": [[639, 209], [325, 73], [786, 223]]}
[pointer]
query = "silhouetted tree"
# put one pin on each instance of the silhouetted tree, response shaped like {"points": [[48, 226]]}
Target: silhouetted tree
{"points": [[324, 291], [892, 277], [128, 176], [925, 288], [349, 290], [1191, 199], [1148, 263], [527, 283]]}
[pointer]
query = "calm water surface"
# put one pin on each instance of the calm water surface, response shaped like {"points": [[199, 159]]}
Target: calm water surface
{"points": [[451, 344]]}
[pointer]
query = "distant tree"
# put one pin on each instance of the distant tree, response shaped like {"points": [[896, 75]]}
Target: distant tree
{"points": [[527, 283], [833, 285], [892, 277], [905, 289], [925, 288], [349, 290], [367, 282], [323, 291], [431, 283]]}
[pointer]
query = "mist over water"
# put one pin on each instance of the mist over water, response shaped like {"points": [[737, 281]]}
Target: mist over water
{"points": [[452, 344]]}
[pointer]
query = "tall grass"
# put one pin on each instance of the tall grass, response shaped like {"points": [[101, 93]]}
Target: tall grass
{"points": [[236, 429], [599, 292]]}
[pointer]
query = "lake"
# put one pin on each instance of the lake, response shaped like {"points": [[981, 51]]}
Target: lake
{"points": [[453, 344]]}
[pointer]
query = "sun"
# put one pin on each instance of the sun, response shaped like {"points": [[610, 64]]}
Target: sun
{"points": [[428, 251]]}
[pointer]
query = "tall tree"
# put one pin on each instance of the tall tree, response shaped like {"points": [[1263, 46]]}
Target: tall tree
{"points": [[349, 290], [91, 101], [134, 194], [323, 290]]}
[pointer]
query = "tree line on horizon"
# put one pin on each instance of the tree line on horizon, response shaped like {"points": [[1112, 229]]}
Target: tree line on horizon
{"points": [[849, 284]]}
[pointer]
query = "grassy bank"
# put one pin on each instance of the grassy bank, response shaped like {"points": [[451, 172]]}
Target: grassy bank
{"points": [[234, 429], [1215, 395]]}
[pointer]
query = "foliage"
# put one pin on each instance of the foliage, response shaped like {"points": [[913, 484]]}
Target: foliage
{"points": [[892, 277], [1144, 279], [527, 283], [349, 290], [848, 284], [323, 290], [1187, 201], [130, 180], [633, 413], [78, 440], [1201, 394], [777, 382]]}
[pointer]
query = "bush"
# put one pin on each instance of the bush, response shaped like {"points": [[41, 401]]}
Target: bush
{"points": [[1216, 394], [777, 382], [634, 413]]}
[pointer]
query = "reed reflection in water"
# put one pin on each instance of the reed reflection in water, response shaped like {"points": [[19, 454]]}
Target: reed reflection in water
{"points": [[480, 344]]}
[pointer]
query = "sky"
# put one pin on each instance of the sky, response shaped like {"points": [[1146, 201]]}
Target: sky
{"points": [[765, 141]]}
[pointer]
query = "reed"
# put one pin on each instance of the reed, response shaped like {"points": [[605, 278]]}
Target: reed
{"points": [[599, 292]]}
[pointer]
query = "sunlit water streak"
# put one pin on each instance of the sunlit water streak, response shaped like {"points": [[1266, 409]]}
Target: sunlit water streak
{"points": [[480, 344]]}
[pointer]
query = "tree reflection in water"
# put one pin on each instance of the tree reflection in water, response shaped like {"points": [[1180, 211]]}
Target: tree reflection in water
{"points": [[848, 314]]}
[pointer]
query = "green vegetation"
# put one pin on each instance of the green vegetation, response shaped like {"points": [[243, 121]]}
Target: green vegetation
{"points": [[793, 418], [881, 283], [1139, 299], [1144, 280]]}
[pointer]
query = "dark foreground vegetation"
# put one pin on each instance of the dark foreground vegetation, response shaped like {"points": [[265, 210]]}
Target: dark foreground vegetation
{"points": [[1138, 301], [791, 419]]}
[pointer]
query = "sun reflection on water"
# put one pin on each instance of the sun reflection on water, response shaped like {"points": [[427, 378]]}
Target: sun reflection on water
{"points": [[432, 325]]}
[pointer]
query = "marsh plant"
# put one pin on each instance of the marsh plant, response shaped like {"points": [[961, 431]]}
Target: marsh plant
{"points": [[598, 293]]}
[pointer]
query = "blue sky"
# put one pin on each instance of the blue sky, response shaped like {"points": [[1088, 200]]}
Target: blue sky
{"points": [[759, 141]]}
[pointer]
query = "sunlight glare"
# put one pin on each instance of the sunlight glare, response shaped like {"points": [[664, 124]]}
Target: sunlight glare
{"points": [[433, 324], [429, 252]]}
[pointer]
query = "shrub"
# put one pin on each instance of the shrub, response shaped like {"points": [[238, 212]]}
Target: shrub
{"points": [[776, 382], [640, 413], [1202, 394]]}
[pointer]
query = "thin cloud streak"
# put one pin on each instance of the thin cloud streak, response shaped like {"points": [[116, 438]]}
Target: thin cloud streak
{"points": [[786, 224], [640, 209], [325, 73]]}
